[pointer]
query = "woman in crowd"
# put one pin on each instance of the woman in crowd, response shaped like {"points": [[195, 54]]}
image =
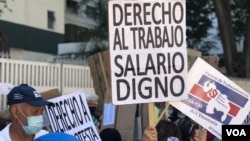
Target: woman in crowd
{"points": [[166, 130], [191, 131], [110, 134]]}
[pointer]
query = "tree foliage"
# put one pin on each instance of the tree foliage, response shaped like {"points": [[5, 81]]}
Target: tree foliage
{"points": [[233, 24], [98, 37], [199, 21], [4, 5]]}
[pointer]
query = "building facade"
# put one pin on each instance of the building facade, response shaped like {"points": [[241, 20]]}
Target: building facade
{"points": [[41, 25]]}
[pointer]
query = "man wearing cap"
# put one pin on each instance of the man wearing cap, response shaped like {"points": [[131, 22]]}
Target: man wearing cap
{"points": [[26, 106]]}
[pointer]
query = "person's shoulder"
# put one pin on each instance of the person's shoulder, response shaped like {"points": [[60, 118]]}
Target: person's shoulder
{"points": [[5, 130], [1, 138], [4, 133]]}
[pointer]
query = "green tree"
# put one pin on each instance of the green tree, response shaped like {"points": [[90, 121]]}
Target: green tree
{"points": [[199, 20], [197, 25], [98, 37], [233, 21], [4, 44], [234, 24]]}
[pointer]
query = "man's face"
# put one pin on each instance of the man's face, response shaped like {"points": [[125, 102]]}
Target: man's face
{"points": [[28, 110], [92, 103]]}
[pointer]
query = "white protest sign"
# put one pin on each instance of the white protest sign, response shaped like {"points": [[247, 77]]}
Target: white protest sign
{"points": [[70, 114], [148, 53], [213, 99]]}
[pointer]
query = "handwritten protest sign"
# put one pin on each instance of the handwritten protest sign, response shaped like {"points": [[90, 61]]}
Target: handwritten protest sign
{"points": [[70, 114], [148, 52], [213, 99]]}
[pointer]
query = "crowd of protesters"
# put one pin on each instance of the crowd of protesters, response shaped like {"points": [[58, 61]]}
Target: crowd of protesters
{"points": [[26, 110], [26, 107]]}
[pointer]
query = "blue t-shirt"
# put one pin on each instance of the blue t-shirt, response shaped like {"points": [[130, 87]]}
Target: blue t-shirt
{"points": [[57, 136]]}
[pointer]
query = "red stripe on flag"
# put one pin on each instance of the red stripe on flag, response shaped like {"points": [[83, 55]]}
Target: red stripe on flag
{"points": [[234, 109], [198, 92]]}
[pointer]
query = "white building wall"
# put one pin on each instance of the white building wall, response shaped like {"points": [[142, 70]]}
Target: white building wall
{"points": [[20, 54], [33, 13]]}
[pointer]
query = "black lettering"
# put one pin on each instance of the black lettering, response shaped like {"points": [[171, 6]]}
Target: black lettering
{"points": [[129, 66], [166, 39], [141, 36], [127, 13], [179, 36], [159, 85], [87, 134], [174, 58], [93, 134], [148, 88], [60, 118], [131, 14], [161, 59], [150, 39], [146, 14], [158, 38], [181, 86], [72, 112], [150, 65], [154, 15], [77, 107], [54, 122], [134, 88], [180, 10], [134, 29], [117, 22], [126, 87], [85, 113], [137, 12], [166, 13], [65, 114], [139, 72], [119, 57], [117, 40], [157, 64], [124, 47]]}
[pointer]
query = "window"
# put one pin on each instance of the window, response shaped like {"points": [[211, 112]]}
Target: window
{"points": [[72, 6], [51, 20]]}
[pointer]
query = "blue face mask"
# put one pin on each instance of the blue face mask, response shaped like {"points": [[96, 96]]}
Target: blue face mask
{"points": [[180, 116], [170, 112], [35, 124]]}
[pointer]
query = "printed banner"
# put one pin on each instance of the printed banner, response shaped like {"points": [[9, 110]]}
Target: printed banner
{"points": [[213, 99]]}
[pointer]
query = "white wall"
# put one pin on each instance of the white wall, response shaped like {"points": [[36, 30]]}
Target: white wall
{"points": [[21, 54], [34, 13]]}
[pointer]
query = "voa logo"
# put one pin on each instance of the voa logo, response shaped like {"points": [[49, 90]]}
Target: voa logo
{"points": [[236, 132]]}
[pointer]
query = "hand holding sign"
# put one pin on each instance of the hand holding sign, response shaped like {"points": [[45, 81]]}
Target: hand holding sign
{"points": [[150, 134]]}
